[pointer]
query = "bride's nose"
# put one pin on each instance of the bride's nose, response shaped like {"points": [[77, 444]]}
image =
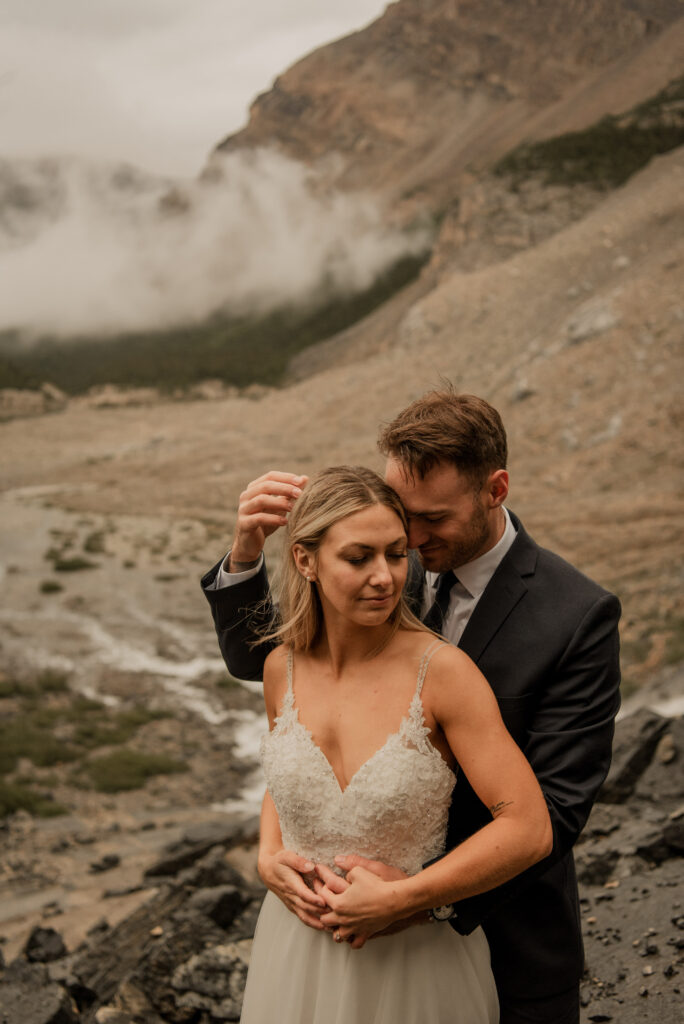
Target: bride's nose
{"points": [[380, 575]]}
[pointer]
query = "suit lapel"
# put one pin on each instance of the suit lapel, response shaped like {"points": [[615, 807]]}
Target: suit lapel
{"points": [[504, 590]]}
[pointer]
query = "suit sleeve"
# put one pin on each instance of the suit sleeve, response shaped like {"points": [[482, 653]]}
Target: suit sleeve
{"points": [[242, 614], [568, 744]]}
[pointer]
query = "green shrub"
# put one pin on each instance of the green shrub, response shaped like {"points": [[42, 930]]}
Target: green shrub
{"points": [[24, 737], [94, 543], [19, 798], [74, 564], [609, 152], [51, 587], [129, 769], [51, 680]]}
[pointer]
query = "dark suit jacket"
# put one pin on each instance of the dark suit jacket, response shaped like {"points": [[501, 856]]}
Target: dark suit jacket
{"points": [[546, 638]]}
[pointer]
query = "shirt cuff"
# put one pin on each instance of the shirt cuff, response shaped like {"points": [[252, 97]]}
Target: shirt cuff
{"points": [[225, 578]]}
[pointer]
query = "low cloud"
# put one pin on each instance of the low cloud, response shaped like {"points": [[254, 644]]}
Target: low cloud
{"points": [[96, 250]]}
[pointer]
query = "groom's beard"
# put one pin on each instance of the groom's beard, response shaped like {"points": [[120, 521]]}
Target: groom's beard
{"points": [[451, 553]]}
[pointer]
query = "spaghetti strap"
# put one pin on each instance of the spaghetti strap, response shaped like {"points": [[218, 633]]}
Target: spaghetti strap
{"points": [[290, 663], [433, 646], [288, 711]]}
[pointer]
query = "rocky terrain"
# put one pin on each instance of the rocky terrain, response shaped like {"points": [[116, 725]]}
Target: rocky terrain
{"points": [[181, 955], [561, 302]]}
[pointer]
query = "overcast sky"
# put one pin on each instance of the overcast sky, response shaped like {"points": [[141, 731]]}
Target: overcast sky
{"points": [[153, 82]]}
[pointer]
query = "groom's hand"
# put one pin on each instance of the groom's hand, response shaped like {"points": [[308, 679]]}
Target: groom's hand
{"points": [[264, 506], [367, 923], [388, 874], [290, 877], [376, 867]]}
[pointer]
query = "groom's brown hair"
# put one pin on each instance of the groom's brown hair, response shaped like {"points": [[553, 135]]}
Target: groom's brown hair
{"points": [[442, 426]]}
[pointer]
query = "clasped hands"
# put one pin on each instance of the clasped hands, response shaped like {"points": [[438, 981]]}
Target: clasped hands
{"points": [[357, 906]]}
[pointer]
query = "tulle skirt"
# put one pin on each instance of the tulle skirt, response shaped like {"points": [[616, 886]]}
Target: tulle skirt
{"points": [[427, 974]]}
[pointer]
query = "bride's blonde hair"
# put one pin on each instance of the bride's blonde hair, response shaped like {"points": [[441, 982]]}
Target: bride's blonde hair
{"points": [[332, 495]]}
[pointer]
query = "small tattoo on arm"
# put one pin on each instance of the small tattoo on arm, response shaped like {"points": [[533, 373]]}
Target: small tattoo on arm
{"points": [[496, 808]]}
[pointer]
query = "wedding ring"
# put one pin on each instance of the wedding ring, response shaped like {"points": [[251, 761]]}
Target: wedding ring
{"points": [[337, 937]]}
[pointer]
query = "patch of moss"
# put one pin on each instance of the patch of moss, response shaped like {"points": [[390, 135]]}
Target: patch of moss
{"points": [[609, 152], [48, 729], [15, 797], [129, 769], [51, 680], [50, 587], [75, 564], [94, 543], [26, 737]]}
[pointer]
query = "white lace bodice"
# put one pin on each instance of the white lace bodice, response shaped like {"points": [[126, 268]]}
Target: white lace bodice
{"points": [[395, 807]]}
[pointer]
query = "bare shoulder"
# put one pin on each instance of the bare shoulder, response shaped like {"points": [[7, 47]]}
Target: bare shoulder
{"points": [[454, 682], [275, 678], [276, 661]]}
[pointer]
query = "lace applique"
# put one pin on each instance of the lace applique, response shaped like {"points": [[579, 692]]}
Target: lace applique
{"points": [[394, 808]]}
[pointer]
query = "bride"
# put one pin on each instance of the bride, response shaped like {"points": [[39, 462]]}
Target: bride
{"points": [[371, 718]]}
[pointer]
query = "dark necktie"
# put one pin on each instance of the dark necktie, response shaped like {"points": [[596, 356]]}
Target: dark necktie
{"points": [[434, 617]]}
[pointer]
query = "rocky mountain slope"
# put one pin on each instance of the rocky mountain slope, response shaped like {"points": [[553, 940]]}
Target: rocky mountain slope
{"points": [[434, 87]]}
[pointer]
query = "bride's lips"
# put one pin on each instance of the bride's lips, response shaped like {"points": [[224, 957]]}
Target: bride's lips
{"points": [[380, 599]]}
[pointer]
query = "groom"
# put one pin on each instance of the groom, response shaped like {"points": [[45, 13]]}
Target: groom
{"points": [[543, 635]]}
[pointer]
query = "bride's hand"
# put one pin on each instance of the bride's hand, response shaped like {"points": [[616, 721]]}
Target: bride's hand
{"points": [[285, 873], [368, 905]]}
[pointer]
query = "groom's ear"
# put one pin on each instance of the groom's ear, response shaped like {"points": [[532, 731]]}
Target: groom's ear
{"points": [[497, 488]]}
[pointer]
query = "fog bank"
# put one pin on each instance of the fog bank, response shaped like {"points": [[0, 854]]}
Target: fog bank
{"points": [[95, 249]]}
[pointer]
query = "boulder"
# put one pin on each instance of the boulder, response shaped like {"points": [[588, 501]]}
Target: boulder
{"points": [[44, 945], [213, 981], [27, 996], [197, 841], [636, 738], [662, 782]]}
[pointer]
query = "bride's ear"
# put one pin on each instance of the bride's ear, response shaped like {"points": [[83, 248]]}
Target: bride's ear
{"points": [[305, 562]]}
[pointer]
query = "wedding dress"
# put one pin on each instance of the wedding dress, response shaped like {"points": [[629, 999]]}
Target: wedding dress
{"points": [[395, 810]]}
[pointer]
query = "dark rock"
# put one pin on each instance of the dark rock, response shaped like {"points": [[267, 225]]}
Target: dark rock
{"points": [[123, 890], [184, 937], [44, 945], [105, 863], [636, 738], [198, 840], [99, 927], [27, 996], [222, 903], [213, 981], [243, 927], [211, 870], [663, 780], [673, 834], [595, 867]]}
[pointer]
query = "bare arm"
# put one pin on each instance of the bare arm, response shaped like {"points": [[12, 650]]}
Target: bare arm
{"points": [[289, 876], [518, 835]]}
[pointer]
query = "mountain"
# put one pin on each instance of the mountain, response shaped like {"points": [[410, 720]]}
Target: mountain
{"points": [[434, 87]]}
